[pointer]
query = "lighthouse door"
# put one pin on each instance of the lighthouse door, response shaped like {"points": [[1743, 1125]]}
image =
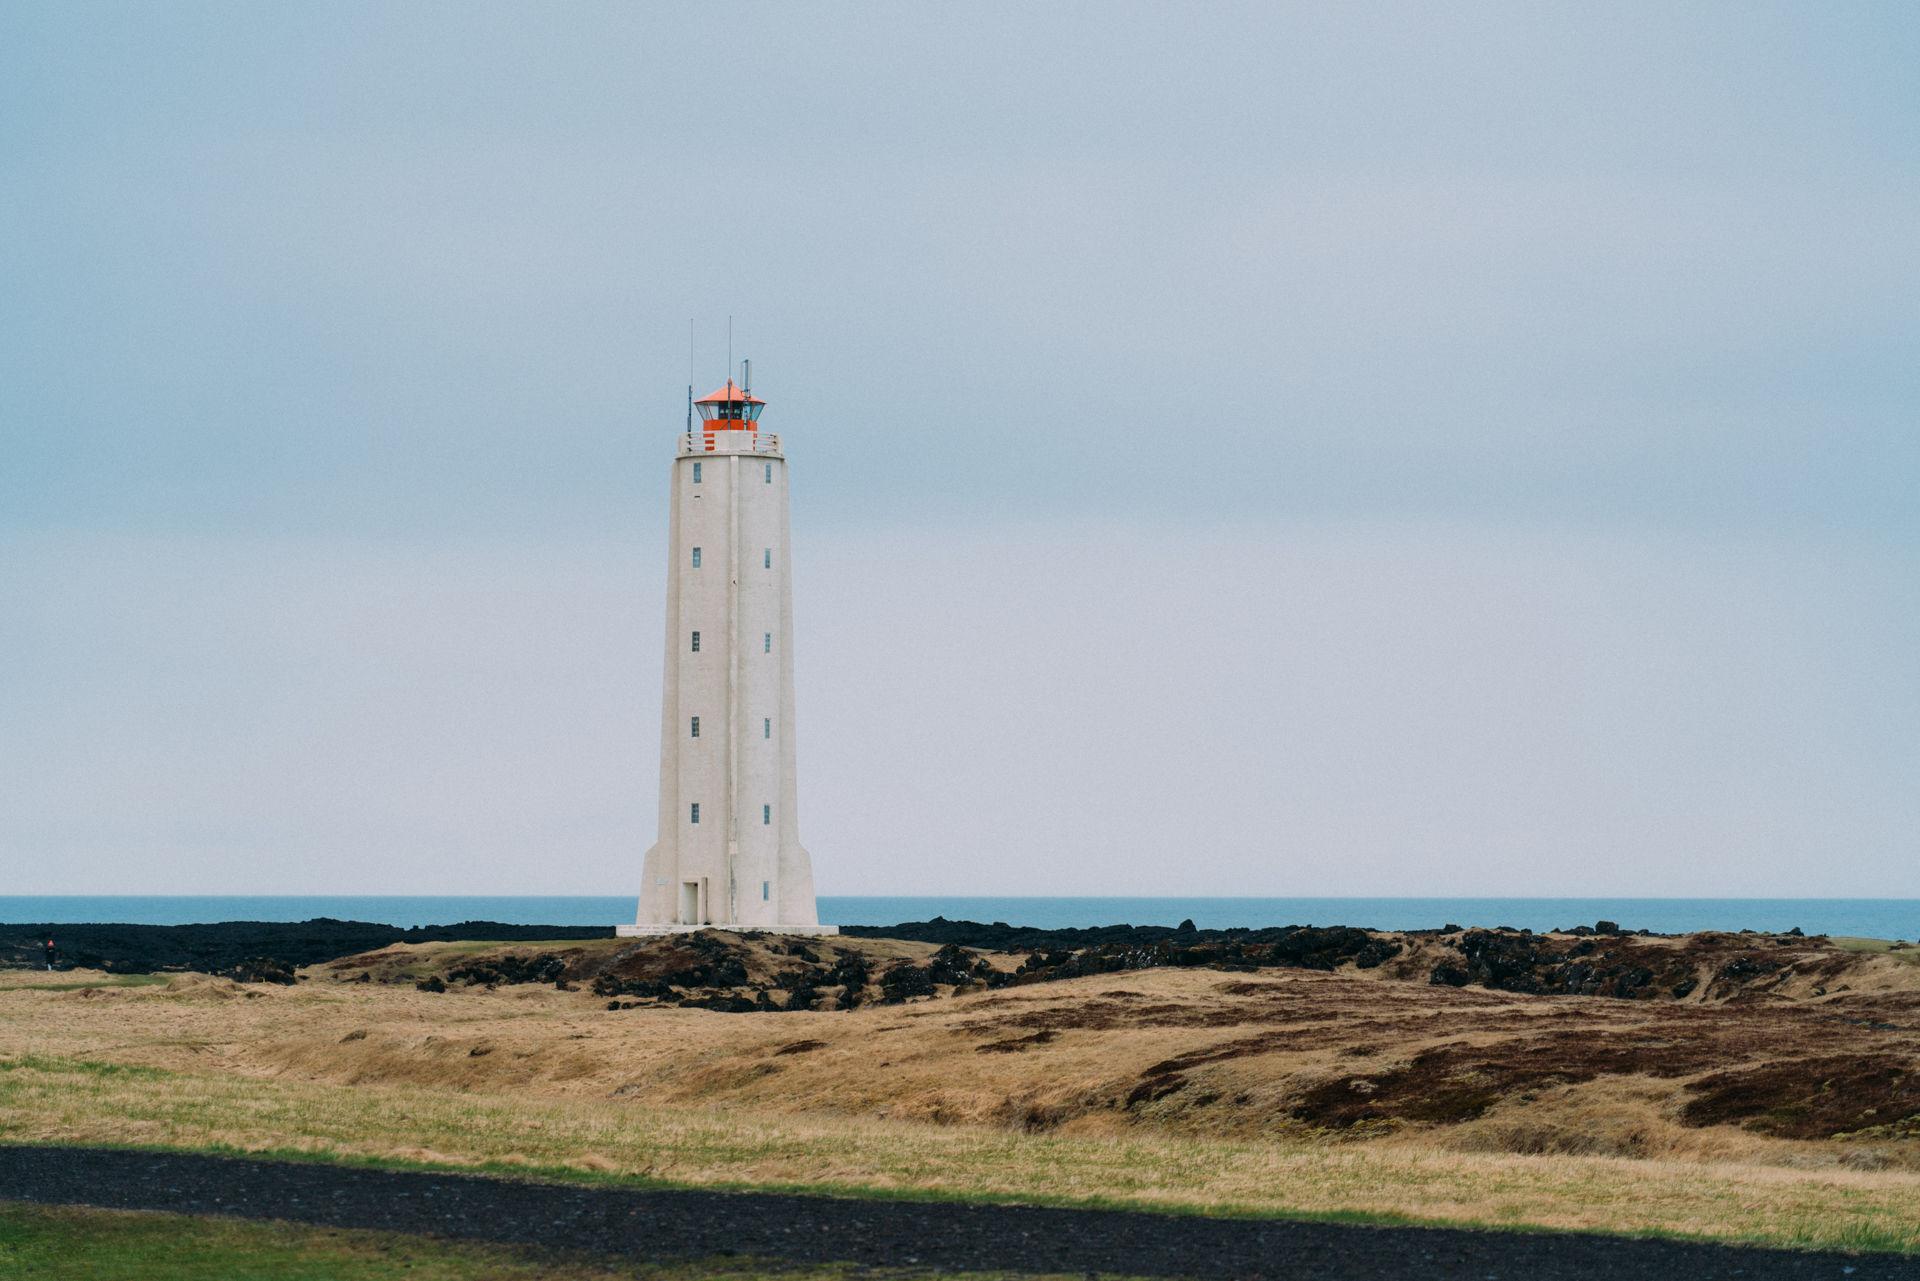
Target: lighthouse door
{"points": [[689, 902]]}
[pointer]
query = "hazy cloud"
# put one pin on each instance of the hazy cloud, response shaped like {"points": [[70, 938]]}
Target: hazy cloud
{"points": [[1427, 450]]}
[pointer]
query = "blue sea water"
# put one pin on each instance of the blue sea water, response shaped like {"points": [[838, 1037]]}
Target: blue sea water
{"points": [[1867, 918]]}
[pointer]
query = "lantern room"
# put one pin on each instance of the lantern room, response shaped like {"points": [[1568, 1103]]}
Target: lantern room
{"points": [[730, 408]]}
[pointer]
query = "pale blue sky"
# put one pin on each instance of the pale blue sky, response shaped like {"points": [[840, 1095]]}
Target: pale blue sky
{"points": [[1353, 448]]}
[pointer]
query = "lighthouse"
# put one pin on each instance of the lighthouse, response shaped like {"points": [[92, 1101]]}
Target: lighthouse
{"points": [[729, 852]]}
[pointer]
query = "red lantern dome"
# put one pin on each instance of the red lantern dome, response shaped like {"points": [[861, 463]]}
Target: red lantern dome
{"points": [[730, 408]]}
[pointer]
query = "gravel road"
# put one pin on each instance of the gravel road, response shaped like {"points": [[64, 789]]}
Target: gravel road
{"points": [[892, 1234]]}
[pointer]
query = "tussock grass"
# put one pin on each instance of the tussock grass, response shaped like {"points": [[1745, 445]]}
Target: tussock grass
{"points": [[1892, 949], [48, 1100], [117, 1245], [42, 1063], [29, 981]]}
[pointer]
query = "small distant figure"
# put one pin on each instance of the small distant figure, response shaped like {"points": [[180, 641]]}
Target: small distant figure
{"points": [[49, 953]]}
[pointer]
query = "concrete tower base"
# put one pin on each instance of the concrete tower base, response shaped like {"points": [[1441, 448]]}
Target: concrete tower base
{"points": [[651, 930]]}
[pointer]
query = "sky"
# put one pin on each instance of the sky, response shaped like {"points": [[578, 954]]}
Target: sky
{"points": [[1268, 449]]}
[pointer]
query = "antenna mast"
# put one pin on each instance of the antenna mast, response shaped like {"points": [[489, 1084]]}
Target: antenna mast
{"points": [[689, 375]]}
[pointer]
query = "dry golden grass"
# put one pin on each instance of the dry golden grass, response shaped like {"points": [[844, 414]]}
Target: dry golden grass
{"points": [[952, 1098], [1064, 1057], [64, 1102]]}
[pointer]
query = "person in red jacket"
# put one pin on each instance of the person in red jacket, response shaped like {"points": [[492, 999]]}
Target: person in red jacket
{"points": [[49, 953]]}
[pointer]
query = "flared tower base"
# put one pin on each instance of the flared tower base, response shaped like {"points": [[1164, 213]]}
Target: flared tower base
{"points": [[650, 930]]}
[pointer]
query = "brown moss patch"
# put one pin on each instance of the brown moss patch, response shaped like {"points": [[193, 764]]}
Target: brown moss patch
{"points": [[798, 1047], [1018, 1046], [1810, 1098]]}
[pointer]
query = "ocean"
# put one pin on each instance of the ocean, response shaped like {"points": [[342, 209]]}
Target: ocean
{"points": [[1866, 918]]}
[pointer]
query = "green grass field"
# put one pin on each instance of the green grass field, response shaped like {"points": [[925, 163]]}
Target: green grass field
{"points": [[1892, 949]]}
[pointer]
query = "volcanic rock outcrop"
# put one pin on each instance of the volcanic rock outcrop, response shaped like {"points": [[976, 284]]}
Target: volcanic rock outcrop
{"points": [[229, 946]]}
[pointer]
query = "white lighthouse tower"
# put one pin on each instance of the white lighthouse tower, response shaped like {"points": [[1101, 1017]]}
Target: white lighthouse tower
{"points": [[729, 851]]}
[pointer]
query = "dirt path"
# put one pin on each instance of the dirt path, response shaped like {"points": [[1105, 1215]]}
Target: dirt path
{"points": [[891, 1234]]}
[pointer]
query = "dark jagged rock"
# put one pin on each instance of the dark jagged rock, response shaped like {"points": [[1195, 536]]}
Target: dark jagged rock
{"points": [[1596, 964], [1374, 953], [1295, 947], [697, 960], [1312, 949], [1745, 967], [951, 966], [906, 981], [719, 965], [725, 1005], [1522, 963], [1504, 962], [851, 972], [704, 976], [1001, 937], [431, 984], [262, 969], [955, 966], [648, 989], [508, 971], [1050, 959], [219, 948]]}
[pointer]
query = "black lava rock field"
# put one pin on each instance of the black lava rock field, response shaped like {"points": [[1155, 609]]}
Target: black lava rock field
{"points": [[1001, 937], [268, 951], [262, 951]]}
